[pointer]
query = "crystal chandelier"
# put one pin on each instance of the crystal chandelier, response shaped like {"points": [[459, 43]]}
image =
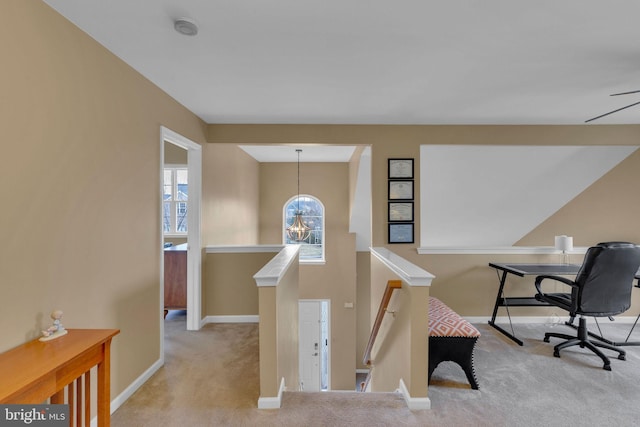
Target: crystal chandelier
{"points": [[298, 231]]}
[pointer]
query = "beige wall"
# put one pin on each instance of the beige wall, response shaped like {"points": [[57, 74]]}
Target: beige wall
{"points": [[278, 308], [230, 196], [363, 305], [401, 348], [335, 280], [228, 285], [80, 215], [174, 155]]}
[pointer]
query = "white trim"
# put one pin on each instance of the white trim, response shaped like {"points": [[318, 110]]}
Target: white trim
{"points": [[495, 250], [410, 273], [362, 371], [132, 388], [272, 272], [413, 403], [313, 262], [247, 318], [194, 257], [272, 402], [241, 249]]}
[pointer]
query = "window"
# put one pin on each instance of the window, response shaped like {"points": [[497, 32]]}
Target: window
{"points": [[175, 195], [313, 214]]}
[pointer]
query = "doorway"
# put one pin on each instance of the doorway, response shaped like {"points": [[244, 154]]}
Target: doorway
{"points": [[314, 345], [194, 247]]}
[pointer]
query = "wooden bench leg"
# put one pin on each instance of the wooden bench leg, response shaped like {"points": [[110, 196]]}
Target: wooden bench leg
{"points": [[453, 349]]}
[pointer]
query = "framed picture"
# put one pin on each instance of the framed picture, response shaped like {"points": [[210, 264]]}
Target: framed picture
{"points": [[401, 168], [401, 211], [401, 233], [400, 190]]}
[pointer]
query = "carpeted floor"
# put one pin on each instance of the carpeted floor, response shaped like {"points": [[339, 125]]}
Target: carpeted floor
{"points": [[210, 378]]}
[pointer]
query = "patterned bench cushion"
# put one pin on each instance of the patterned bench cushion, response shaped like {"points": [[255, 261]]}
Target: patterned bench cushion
{"points": [[444, 322]]}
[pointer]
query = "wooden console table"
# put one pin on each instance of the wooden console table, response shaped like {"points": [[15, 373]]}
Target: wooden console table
{"points": [[37, 371]]}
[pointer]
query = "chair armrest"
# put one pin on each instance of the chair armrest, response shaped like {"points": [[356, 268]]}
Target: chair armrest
{"points": [[564, 280]]}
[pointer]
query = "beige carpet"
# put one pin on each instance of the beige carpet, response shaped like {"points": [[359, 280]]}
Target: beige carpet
{"points": [[210, 378]]}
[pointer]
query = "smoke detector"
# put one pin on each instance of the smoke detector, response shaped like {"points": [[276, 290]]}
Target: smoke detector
{"points": [[186, 26]]}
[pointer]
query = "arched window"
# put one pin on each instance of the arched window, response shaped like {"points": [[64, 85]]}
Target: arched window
{"points": [[313, 215]]}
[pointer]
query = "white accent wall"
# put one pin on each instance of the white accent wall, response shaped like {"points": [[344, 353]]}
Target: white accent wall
{"points": [[483, 196]]}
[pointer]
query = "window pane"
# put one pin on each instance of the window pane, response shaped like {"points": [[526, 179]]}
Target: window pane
{"points": [[181, 216], [182, 183], [175, 195], [166, 217], [168, 184]]}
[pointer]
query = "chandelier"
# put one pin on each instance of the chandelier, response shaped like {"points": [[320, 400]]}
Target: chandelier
{"points": [[298, 231]]}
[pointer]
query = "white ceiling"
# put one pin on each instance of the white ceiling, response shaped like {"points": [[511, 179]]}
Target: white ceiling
{"points": [[380, 62]]}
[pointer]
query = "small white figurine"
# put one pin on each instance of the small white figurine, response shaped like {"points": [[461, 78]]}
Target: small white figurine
{"points": [[56, 330]]}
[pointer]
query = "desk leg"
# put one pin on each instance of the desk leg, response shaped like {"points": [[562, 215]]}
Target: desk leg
{"points": [[499, 303], [104, 386]]}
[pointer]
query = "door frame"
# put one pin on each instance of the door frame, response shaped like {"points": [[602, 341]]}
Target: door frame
{"points": [[194, 245]]}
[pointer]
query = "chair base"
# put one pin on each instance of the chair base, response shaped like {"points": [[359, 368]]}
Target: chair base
{"points": [[583, 341]]}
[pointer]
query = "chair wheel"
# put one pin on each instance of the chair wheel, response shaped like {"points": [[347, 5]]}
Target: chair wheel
{"points": [[546, 339], [556, 353], [622, 357], [607, 367]]}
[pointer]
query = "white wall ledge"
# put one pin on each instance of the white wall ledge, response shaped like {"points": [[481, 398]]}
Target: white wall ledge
{"points": [[496, 250], [239, 249], [274, 270], [409, 272]]}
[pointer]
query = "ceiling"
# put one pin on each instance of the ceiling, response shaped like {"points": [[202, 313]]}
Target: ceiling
{"points": [[380, 62]]}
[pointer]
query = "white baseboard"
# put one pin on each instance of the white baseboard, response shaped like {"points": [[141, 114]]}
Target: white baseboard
{"points": [[272, 402], [546, 319], [414, 403], [248, 318], [132, 388]]}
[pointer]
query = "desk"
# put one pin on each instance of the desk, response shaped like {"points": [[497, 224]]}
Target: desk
{"points": [[175, 278], [35, 371], [522, 270]]}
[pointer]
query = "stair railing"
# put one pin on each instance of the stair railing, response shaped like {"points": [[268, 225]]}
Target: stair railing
{"points": [[384, 303]]}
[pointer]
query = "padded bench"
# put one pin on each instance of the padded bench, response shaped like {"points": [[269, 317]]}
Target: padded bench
{"points": [[451, 338]]}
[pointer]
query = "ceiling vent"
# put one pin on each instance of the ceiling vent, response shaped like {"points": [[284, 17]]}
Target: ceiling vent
{"points": [[186, 26]]}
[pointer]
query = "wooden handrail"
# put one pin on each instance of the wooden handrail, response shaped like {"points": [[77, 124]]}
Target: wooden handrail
{"points": [[391, 286]]}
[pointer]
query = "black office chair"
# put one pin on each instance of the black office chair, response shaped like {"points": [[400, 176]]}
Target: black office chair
{"points": [[602, 288]]}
